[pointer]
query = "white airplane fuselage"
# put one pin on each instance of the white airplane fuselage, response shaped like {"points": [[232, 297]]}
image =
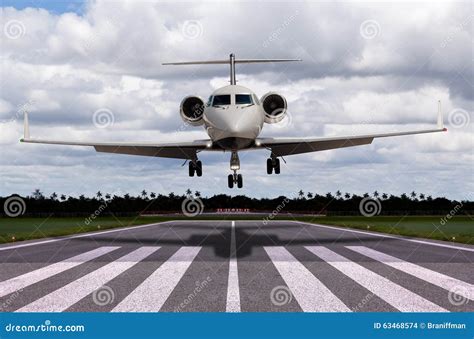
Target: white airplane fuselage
{"points": [[233, 126]]}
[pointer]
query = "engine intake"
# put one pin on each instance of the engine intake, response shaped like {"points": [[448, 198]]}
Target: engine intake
{"points": [[275, 107], [192, 110]]}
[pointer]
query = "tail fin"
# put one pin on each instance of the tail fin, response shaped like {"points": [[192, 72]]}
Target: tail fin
{"points": [[231, 61]]}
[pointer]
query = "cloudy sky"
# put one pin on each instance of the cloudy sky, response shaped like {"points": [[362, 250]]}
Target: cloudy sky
{"points": [[366, 67]]}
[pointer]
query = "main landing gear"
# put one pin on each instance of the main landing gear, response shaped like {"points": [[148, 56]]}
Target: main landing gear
{"points": [[273, 164], [234, 166], [195, 167]]}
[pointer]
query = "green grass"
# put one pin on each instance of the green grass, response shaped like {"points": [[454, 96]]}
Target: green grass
{"points": [[458, 229]]}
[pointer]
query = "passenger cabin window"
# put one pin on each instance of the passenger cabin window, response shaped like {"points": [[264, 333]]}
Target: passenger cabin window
{"points": [[221, 100], [243, 99]]}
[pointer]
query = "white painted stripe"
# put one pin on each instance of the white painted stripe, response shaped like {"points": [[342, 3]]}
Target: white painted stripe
{"points": [[70, 294], [30, 278], [233, 292], [310, 293], [469, 248], [449, 283], [396, 295], [82, 235], [150, 295]]}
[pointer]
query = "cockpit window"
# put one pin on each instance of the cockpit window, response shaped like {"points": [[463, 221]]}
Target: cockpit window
{"points": [[220, 100], [209, 102], [243, 99]]}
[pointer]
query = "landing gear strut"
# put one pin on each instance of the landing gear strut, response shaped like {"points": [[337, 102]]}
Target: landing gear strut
{"points": [[195, 166], [235, 166], [273, 164]]}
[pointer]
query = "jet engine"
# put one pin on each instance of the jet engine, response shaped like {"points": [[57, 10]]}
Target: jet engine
{"points": [[191, 110], [274, 106]]}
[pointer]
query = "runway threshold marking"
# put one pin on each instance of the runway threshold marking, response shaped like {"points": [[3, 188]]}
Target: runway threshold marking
{"points": [[310, 293], [396, 295], [233, 292], [441, 280], [152, 293], [68, 295], [30, 278]]}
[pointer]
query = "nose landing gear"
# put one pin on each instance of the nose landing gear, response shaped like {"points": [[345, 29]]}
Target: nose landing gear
{"points": [[235, 166], [195, 167]]}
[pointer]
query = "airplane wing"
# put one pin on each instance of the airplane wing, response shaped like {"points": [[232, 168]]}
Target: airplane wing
{"points": [[182, 150], [284, 146]]}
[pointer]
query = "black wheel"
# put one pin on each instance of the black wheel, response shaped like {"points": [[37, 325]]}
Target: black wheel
{"points": [[198, 168], [269, 166], [230, 181], [239, 181], [277, 166], [191, 169]]}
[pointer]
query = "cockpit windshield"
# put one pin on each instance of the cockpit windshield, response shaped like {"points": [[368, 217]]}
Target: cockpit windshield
{"points": [[243, 99], [220, 100]]}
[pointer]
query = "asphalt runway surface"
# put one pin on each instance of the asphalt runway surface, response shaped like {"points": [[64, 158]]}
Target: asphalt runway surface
{"points": [[241, 266]]}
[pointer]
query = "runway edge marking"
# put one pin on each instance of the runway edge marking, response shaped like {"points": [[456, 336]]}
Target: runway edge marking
{"points": [[425, 242], [399, 297], [233, 292]]}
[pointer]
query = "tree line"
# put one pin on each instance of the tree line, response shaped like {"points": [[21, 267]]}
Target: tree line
{"points": [[338, 203]]}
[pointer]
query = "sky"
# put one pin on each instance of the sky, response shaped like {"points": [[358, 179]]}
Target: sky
{"points": [[91, 70]]}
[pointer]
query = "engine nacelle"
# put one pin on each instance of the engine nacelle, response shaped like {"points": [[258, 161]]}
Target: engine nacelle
{"points": [[192, 110], [275, 107]]}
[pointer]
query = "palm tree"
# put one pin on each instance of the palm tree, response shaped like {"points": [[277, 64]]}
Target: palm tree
{"points": [[384, 196], [37, 194], [53, 196], [126, 196], [99, 195], [153, 195], [301, 194], [338, 193], [329, 195], [309, 195], [197, 194], [63, 197], [144, 194], [413, 194], [376, 194], [189, 192], [107, 196], [429, 198], [422, 196], [347, 195], [366, 195]]}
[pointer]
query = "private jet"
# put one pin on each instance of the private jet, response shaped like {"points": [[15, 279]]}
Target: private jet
{"points": [[233, 117]]}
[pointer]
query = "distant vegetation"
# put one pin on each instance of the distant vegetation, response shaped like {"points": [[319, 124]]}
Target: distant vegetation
{"points": [[338, 203]]}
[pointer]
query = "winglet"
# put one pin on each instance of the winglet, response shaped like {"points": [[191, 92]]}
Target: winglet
{"points": [[440, 117], [26, 127]]}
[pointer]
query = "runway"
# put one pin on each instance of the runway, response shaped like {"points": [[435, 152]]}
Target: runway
{"points": [[236, 266]]}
